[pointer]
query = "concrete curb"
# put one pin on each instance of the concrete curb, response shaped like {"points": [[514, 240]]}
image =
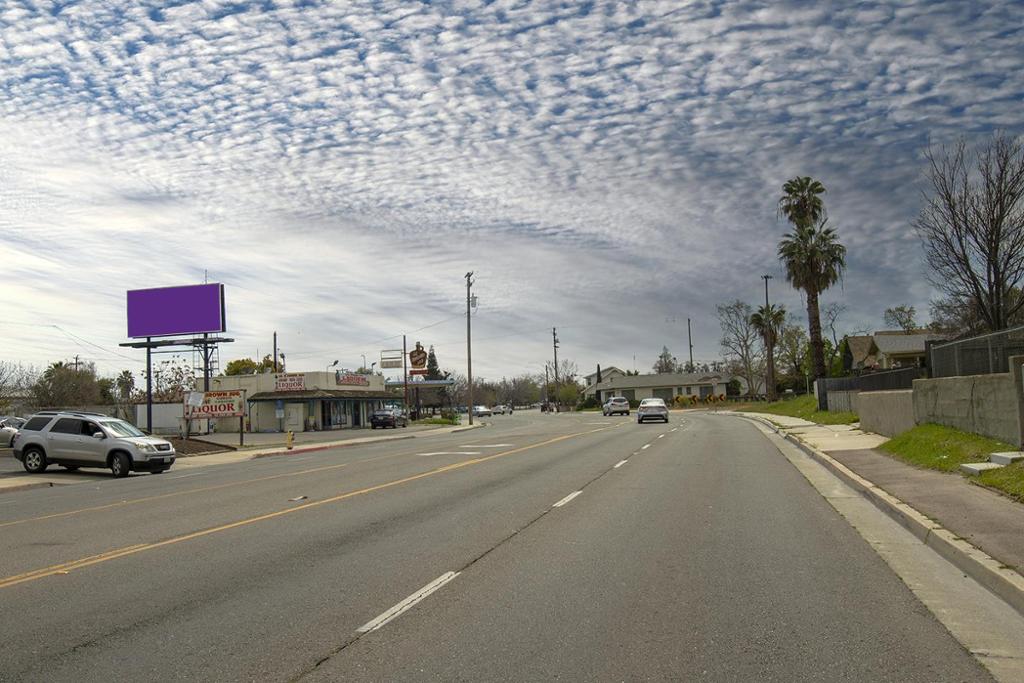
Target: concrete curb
{"points": [[29, 486], [1005, 583]]}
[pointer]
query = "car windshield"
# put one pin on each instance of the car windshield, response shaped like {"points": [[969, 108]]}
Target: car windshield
{"points": [[122, 428], [652, 402]]}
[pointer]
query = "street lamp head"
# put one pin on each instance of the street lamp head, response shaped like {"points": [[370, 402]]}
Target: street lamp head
{"points": [[334, 363]]}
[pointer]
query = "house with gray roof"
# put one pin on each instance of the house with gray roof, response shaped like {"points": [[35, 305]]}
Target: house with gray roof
{"points": [[664, 385], [902, 350]]}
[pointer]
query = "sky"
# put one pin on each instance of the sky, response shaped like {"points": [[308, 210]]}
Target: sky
{"points": [[606, 168]]}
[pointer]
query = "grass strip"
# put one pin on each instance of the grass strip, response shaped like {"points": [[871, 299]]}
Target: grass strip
{"points": [[804, 407]]}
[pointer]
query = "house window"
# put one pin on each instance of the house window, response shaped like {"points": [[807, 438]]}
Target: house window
{"points": [[689, 390]]}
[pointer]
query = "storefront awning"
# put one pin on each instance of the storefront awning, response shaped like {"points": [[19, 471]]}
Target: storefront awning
{"points": [[322, 395]]}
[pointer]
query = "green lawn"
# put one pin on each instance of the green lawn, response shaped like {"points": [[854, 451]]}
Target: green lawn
{"points": [[805, 407], [941, 448], [944, 448]]}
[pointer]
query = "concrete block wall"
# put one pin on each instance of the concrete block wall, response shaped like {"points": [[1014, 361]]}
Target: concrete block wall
{"points": [[842, 401], [982, 404], [885, 412]]}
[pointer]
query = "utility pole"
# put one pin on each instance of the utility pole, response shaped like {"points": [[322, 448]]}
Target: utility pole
{"points": [[689, 340], [469, 345], [405, 378], [275, 351], [770, 344], [554, 343]]}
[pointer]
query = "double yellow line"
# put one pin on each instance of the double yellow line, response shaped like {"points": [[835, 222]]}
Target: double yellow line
{"points": [[66, 567]]}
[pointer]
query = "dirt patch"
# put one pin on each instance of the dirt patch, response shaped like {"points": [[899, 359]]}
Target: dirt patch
{"points": [[196, 447]]}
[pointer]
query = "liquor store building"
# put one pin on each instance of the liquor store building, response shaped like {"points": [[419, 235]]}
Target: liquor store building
{"points": [[307, 401]]}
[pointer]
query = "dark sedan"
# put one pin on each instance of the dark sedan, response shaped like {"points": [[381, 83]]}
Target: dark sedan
{"points": [[388, 418]]}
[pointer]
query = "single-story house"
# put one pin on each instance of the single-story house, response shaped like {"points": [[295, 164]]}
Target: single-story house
{"points": [[663, 385], [886, 350]]}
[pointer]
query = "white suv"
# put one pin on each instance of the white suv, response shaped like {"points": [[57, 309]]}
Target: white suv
{"points": [[617, 405], [74, 439]]}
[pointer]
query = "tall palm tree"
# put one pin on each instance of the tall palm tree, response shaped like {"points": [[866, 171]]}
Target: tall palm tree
{"points": [[814, 261], [768, 320], [801, 201]]}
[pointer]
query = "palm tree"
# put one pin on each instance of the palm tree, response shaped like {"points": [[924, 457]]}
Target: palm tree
{"points": [[768, 320], [801, 202], [814, 261]]}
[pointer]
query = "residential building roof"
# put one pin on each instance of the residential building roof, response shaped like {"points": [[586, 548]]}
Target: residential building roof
{"points": [[893, 343], [604, 371], [663, 380], [862, 349]]}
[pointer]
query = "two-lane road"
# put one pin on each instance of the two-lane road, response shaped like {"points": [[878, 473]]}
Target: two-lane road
{"points": [[569, 546]]}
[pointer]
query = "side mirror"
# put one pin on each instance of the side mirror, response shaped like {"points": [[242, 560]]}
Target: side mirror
{"points": [[99, 436]]}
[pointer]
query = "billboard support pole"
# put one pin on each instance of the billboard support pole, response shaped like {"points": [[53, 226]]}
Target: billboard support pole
{"points": [[149, 385], [405, 376]]}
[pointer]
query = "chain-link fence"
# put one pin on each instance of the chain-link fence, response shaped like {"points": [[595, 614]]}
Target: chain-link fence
{"points": [[983, 355]]}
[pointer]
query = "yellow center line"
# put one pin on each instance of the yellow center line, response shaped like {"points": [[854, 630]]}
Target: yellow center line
{"points": [[66, 567], [147, 499]]}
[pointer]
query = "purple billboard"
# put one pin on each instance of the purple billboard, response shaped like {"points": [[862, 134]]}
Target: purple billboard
{"points": [[166, 311]]}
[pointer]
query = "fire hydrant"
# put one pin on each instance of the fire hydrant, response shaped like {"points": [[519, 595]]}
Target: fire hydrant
{"points": [[289, 439]]}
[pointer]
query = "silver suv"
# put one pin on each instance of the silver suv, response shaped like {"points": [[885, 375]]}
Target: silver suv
{"points": [[74, 439], [617, 405]]}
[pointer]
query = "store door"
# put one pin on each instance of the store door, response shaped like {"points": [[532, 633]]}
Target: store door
{"points": [[294, 417]]}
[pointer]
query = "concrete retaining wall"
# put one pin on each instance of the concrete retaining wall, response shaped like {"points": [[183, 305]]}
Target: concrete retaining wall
{"points": [[982, 404], [842, 401], [886, 412]]}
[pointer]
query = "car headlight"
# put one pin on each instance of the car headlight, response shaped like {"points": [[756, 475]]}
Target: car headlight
{"points": [[147, 448]]}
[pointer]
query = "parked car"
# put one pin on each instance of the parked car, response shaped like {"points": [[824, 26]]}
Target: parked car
{"points": [[500, 410], [482, 411], [9, 426], [79, 439], [616, 405], [652, 409], [388, 417]]}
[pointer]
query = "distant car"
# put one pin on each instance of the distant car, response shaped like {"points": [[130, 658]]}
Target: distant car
{"points": [[482, 411], [501, 410], [616, 405], [9, 426], [388, 417], [80, 439], [652, 409]]}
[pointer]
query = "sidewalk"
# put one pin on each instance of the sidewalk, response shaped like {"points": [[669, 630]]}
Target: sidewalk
{"points": [[983, 518]]}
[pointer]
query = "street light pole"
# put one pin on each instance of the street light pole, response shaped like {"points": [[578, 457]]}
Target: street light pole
{"points": [[469, 345], [331, 366], [769, 343]]}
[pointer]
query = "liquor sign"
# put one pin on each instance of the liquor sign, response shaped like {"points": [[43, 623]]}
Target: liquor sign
{"points": [[290, 381], [351, 379], [391, 359], [418, 360], [214, 404]]}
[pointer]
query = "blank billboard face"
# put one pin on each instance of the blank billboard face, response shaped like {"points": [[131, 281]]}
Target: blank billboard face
{"points": [[166, 311]]}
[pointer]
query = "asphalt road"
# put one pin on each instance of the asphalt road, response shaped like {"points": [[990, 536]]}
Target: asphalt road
{"points": [[705, 555]]}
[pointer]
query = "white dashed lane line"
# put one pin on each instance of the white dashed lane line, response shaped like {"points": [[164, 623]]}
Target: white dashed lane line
{"points": [[487, 445], [620, 464], [408, 603], [423, 455], [645, 446], [567, 499]]}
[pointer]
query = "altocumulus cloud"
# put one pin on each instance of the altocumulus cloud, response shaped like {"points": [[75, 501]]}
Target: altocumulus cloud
{"points": [[603, 166]]}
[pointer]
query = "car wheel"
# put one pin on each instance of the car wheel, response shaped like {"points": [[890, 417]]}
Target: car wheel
{"points": [[120, 465], [34, 461]]}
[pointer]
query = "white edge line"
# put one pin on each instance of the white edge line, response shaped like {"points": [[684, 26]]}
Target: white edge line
{"points": [[408, 603], [620, 464], [567, 499]]}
